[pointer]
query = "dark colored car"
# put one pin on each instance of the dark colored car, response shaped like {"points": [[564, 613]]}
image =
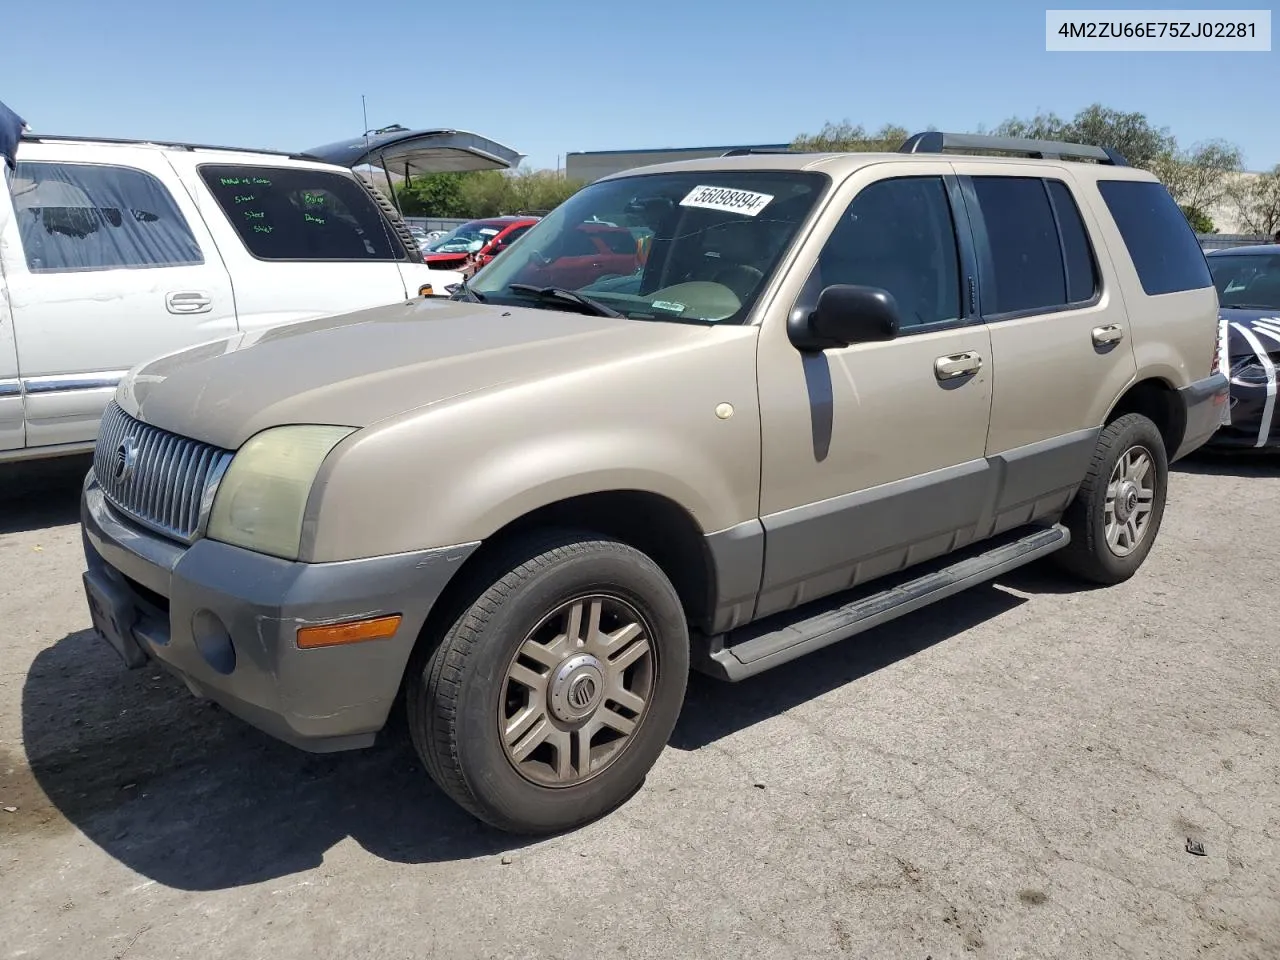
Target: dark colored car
{"points": [[1248, 283], [475, 243]]}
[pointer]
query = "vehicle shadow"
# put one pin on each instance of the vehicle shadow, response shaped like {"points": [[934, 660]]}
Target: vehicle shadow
{"points": [[1215, 464], [192, 798], [714, 709], [41, 493]]}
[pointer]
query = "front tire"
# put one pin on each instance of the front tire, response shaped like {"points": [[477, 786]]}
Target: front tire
{"points": [[551, 696], [1116, 515]]}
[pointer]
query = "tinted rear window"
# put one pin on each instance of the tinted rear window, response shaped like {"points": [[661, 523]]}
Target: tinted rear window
{"points": [[284, 213], [1161, 243], [1023, 238]]}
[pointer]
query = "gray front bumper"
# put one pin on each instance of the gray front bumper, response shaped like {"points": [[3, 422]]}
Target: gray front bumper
{"points": [[225, 620]]}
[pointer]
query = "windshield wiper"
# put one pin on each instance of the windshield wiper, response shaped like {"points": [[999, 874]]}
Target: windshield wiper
{"points": [[594, 307], [1250, 306]]}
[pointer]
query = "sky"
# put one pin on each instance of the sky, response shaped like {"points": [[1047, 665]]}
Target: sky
{"points": [[564, 75]]}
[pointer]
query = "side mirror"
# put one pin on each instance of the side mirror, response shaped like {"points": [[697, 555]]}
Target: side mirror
{"points": [[846, 314]]}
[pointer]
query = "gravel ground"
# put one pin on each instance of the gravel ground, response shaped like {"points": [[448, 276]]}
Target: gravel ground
{"points": [[1011, 773]]}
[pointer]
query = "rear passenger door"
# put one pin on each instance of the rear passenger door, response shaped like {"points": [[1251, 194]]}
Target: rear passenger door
{"points": [[300, 241], [1060, 336], [106, 266]]}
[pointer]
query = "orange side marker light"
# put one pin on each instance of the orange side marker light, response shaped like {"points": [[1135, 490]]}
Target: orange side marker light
{"points": [[355, 631]]}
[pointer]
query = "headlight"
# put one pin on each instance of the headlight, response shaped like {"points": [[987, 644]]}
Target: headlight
{"points": [[263, 495]]}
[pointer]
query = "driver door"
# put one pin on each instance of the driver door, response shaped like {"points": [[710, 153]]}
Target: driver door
{"points": [[874, 454]]}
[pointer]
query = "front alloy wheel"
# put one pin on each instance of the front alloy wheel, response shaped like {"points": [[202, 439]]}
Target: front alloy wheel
{"points": [[576, 690], [555, 687]]}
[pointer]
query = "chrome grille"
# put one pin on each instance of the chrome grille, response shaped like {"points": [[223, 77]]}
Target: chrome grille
{"points": [[164, 481]]}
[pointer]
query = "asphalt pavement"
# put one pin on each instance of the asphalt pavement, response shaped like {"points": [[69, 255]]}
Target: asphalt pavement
{"points": [[1016, 772]]}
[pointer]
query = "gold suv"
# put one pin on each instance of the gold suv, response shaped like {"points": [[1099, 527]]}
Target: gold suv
{"points": [[837, 387]]}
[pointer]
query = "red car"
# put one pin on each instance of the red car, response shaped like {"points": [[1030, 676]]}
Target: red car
{"points": [[475, 243], [584, 255]]}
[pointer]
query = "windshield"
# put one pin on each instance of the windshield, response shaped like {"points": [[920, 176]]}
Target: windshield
{"points": [[1247, 281], [691, 246], [467, 238]]}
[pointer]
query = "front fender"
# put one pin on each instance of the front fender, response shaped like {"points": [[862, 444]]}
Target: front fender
{"points": [[460, 471]]}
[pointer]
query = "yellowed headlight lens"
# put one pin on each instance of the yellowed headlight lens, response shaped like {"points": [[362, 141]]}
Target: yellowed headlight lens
{"points": [[263, 495]]}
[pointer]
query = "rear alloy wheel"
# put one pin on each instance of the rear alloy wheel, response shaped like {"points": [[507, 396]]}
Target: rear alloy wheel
{"points": [[552, 694], [1130, 495], [1116, 514]]}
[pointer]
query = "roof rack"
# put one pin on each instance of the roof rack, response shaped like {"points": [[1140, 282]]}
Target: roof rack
{"points": [[173, 144], [749, 151], [934, 141]]}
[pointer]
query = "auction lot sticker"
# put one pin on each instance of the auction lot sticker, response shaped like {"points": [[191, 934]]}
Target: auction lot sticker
{"points": [[746, 202]]}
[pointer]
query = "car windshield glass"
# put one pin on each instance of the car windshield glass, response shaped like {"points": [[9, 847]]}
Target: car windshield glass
{"points": [[1247, 281], [694, 246], [467, 238]]}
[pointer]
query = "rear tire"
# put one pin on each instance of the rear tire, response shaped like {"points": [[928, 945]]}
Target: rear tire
{"points": [[552, 694], [1116, 514]]}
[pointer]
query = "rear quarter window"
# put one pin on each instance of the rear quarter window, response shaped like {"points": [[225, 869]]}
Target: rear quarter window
{"points": [[1160, 241], [286, 213]]}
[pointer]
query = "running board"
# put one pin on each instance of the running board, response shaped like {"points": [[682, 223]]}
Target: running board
{"points": [[758, 647]]}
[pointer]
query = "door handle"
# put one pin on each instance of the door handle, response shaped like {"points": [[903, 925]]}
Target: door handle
{"points": [[1112, 333], [188, 301], [957, 365]]}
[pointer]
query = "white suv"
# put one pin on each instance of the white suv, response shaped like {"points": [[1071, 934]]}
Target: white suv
{"points": [[113, 252]]}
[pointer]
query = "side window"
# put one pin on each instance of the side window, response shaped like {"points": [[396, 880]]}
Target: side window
{"points": [[1077, 252], [78, 217], [898, 235], [514, 235], [297, 213], [1023, 240], [1161, 243]]}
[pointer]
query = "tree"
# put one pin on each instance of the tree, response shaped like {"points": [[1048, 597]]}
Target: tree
{"points": [[845, 137], [1199, 220], [1200, 177], [484, 193], [435, 195], [539, 190], [1257, 202], [1130, 134]]}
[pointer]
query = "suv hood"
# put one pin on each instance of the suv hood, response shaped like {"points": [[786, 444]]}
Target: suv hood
{"points": [[359, 368]]}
